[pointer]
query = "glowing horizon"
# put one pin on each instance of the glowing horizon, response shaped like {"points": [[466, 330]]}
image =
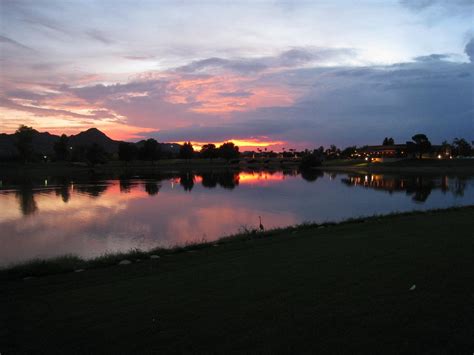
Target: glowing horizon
{"points": [[242, 144]]}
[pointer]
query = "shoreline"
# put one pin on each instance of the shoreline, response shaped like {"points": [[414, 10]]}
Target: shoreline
{"points": [[401, 283], [71, 263], [405, 169], [427, 166]]}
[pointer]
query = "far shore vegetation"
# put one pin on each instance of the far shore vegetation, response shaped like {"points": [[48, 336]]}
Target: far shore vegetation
{"points": [[93, 148]]}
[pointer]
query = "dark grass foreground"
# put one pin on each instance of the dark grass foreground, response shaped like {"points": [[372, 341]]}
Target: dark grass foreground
{"points": [[339, 289]]}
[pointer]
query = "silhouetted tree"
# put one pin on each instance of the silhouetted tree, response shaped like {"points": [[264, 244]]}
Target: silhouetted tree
{"points": [[228, 151], [461, 147], [61, 148], [150, 150], [333, 152], [78, 153], [422, 142], [127, 151], [24, 142], [346, 153], [186, 151], [388, 141], [446, 148], [310, 160], [96, 154], [209, 151]]}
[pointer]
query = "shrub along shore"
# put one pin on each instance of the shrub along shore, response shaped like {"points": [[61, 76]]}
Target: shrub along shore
{"points": [[401, 283]]}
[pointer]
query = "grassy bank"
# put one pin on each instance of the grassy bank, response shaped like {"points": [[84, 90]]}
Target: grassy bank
{"points": [[71, 263], [435, 166], [335, 289]]}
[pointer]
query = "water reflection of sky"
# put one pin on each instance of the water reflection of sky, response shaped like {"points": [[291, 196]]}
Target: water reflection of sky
{"points": [[52, 217]]}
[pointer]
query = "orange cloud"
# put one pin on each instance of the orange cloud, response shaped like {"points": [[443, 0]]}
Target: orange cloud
{"points": [[178, 98], [222, 94]]}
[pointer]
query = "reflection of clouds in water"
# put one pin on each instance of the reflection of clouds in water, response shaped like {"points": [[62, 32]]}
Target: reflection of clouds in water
{"points": [[123, 214], [121, 219], [83, 226], [219, 220], [10, 210]]}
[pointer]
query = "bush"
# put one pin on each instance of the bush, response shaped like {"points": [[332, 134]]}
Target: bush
{"points": [[310, 161]]}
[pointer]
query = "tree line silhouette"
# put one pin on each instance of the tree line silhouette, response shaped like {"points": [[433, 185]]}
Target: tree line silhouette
{"points": [[151, 150]]}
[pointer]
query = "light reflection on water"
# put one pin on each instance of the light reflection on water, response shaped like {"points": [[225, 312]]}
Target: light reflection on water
{"points": [[88, 217]]}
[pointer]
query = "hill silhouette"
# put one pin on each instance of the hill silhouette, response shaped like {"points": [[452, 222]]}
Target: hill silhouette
{"points": [[43, 143], [94, 136]]}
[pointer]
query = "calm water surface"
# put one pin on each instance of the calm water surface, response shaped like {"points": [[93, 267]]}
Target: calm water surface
{"points": [[47, 216]]}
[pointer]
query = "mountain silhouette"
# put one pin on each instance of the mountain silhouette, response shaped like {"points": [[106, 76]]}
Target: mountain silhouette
{"points": [[94, 136], [43, 143]]}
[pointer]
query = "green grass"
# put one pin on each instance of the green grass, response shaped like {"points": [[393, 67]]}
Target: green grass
{"points": [[432, 163], [412, 166], [339, 289]]}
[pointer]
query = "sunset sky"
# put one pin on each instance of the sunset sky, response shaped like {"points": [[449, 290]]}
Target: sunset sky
{"points": [[294, 74]]}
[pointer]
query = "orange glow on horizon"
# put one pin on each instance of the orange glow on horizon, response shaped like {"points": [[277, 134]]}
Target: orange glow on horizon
{"points": [[241, 143]]}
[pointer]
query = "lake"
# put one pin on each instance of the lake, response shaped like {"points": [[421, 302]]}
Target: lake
{"points": [[47, 216]]}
